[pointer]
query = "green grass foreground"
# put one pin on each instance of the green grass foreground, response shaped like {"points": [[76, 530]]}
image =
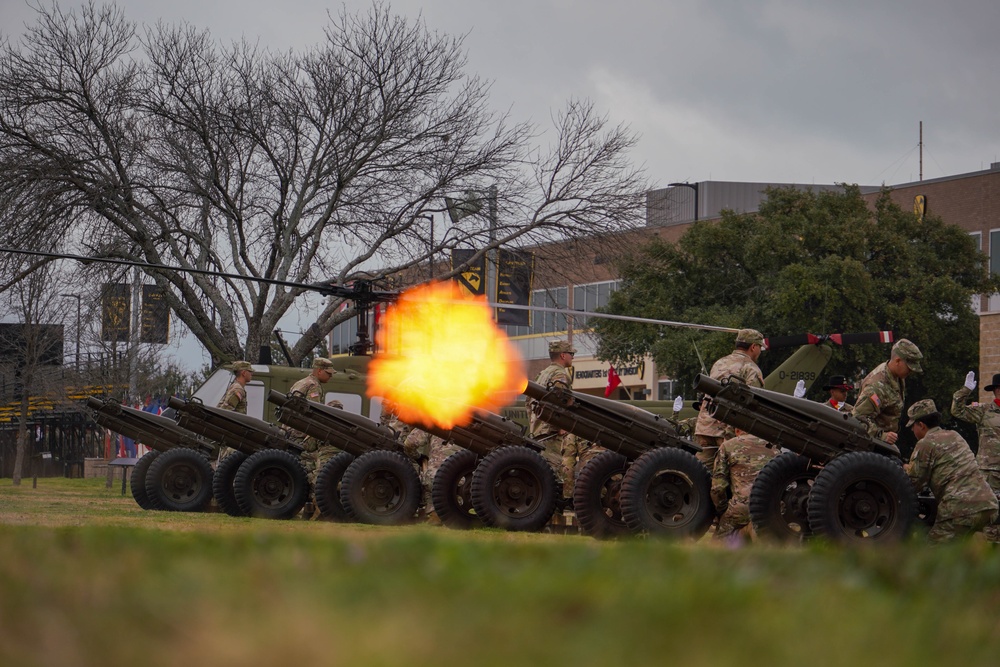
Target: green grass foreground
{"points": [[88, 578]]}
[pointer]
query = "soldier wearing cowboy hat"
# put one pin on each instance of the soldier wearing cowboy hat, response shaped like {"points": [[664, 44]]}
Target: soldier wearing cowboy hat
{"points": [[838, 387]]}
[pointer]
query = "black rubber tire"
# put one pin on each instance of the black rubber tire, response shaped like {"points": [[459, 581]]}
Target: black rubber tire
{"points": [[137, 480], [514, 488], [327, 490], [666, 492], [451, 492], [381, 488], [597, 496], [779, 498], [222, 483], [179, 480], [861, 496], [271, 484]]}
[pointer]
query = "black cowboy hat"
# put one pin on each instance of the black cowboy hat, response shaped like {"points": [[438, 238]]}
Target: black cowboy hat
{"points": [[840, 382], [995, 385]]}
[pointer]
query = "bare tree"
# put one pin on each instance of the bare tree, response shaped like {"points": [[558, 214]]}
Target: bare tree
{"points": [[160, 144]]}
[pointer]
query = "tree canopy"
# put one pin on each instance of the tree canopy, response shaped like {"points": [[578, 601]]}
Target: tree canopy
{"points": [[812, 262], [159, 144]]}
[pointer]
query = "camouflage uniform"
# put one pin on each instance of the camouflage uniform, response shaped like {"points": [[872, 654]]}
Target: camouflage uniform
{"points": [[235, 399], [986, 417], [315, 453], [882, 394], [564, 451], [429, 452], [737, 465], [943, 461], [880, 402], [709, 433]]}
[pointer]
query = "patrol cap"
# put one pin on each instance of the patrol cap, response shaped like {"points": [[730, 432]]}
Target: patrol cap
{"points": [[560, 346], [750, 337], [322, 362], [241, 365], [920, 409], [909, 353]]}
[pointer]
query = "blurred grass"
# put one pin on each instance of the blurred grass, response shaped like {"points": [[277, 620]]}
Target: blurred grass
{"points": [[87, 578]]}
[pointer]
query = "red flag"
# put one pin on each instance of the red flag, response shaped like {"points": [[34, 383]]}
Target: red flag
{"points": [[613, 381]]}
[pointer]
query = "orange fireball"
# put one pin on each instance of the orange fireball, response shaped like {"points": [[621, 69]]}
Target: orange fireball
{"points": [[441, 356]]}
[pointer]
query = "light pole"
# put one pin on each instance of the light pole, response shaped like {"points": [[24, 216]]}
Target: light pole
{"points": [[693, 186], [430, 261], [77, 297]]}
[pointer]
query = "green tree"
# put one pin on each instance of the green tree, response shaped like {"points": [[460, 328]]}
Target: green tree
{"points": [[823, 263]]}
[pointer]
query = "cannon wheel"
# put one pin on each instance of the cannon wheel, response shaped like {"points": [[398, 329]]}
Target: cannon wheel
{"points": [[222, 483], [382, 488], [862, 496], [328, 487], [778, 499], [451, 492], [179, 480], [597, 496], [137, 481], [514, 488], [666, 491], [271, 484]]}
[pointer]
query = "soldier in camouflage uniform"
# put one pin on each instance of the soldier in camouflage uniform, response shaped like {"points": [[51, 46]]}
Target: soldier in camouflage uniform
{"points": [[943, 461], [235, 398], [710, 433], [986, 417], [315, 454], [883, 392], [737, 465], [429, 452], [564, 451]]}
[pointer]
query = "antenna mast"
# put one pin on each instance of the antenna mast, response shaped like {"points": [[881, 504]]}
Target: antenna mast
{"points": [[921, 150]]}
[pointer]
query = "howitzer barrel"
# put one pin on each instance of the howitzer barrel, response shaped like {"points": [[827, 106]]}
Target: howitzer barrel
{"points": [[484, 433], [155, 432], [807, 428], [345, 430], [625, 429], [238, 431]]}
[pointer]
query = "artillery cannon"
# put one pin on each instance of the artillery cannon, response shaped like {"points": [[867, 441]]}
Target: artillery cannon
{"points": [[263, 477], [835, 480], [649, 480], [371, 480], [177, 469], [500, 474]]}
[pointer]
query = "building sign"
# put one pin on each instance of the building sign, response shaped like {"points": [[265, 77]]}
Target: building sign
{"points": [[472, 279], [920, 206], [514, 269], [594, 375], [116, 310], [155, 316]]}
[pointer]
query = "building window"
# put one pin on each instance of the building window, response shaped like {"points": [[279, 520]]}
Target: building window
{"points": [[977, 299], [343, 336], [994, 300], [589, 298], [543, 322]]}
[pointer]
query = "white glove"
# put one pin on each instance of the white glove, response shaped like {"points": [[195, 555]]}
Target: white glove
{"points": [[800, 389], [970, 380], [678, 404]]}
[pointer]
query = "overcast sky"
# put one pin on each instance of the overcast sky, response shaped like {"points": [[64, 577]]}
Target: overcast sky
{"points": [[791, 91], [772, 91]]}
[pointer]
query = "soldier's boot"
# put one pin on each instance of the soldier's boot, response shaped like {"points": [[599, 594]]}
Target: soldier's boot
{"points": [[308, 510]]}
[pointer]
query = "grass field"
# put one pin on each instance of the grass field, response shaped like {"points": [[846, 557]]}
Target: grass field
{"points": [[88, 578]]}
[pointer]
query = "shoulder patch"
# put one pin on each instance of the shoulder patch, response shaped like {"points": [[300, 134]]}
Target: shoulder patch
{"points": [[876, 400]]}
